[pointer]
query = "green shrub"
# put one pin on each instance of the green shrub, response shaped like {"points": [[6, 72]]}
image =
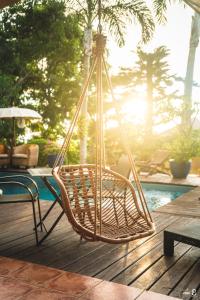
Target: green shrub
{"points": [[185, 145], [47, 147]]}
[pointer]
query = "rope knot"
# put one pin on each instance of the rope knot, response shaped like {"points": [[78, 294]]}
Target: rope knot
{"points": [[100, 40]]}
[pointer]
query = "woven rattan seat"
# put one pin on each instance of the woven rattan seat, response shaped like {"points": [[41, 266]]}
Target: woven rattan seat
{"points": [[119, 216]]}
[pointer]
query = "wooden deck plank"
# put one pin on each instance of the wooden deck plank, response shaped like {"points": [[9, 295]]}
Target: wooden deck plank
{"points": [[189, 283], [98, 253], [113, 251], [25, 246], [187, 205], [106, 261], [66, 251], [152, 274], [21, 225], [21, 238], [130, 259], [138, 267], [172, 277], [140, 263], [122, 267], [83, 249]]}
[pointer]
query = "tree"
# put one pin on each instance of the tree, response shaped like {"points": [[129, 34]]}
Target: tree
{"points": [[160, 9], [114, 16], [40, 60], [152, 71], [193, 44]]}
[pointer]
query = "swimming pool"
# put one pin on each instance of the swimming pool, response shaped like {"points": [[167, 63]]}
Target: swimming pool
{"points": [[156, 194]]}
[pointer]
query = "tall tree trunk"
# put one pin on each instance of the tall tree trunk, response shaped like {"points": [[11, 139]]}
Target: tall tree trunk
{"points": [[149, 103], [84, 120], [194, 41]]}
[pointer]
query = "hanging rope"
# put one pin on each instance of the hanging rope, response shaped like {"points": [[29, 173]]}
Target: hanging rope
{"points": [[127, 148], [99, 16]]}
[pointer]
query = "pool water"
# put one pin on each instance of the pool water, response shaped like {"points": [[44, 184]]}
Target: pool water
{"points": [[160, 194], [156, 194], [45, 194]]}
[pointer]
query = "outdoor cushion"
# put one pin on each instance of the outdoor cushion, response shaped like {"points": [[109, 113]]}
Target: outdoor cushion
{"points": [[20, 155], [25, 155], [2, 149], [4, 155]]}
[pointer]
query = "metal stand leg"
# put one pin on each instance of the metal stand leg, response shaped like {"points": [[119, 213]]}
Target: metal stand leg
{"points": [[57, 200], [40, 215], [52, 227], [35, 222], [46, 214]]}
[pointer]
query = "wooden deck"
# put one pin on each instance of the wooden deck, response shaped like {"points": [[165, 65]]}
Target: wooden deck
{"points": [[139, 264], [187, 205]]}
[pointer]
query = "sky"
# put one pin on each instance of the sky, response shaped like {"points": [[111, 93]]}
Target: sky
{"points": [[175, 35]]}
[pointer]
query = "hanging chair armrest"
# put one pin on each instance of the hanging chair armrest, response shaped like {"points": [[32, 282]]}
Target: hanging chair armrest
{"points": [[22, 185], [31, 183]]}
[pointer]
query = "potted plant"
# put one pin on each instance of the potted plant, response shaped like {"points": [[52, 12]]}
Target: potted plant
{"points": [[184, 146], [51, 150]]}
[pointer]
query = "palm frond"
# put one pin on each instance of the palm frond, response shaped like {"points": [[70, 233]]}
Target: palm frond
{"points": [[82, 8], [116, 24], [160, 8], [119, 14]]}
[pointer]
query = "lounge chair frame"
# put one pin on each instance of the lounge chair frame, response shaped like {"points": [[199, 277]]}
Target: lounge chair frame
{"points": [[29, 194]]}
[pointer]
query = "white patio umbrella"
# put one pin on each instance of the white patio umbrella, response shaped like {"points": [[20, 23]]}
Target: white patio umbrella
{"points": [[18, 113]]}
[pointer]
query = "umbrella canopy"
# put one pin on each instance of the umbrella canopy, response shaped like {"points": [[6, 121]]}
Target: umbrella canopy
{"points": [[18, 112]]}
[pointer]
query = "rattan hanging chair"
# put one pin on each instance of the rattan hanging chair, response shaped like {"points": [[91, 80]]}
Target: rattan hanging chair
{"points": [[100, 204], [115, 218]]}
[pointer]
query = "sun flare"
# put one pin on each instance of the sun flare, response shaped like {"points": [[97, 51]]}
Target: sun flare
{"points": [[134, 111], [132, 107]]}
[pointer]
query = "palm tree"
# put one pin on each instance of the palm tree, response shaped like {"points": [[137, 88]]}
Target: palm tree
{"points": [[114, 15], [160, 8], [194, 41]]}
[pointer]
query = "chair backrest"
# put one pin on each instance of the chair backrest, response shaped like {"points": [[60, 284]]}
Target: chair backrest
{"points": [[21, 149], [31, 151], [159, 157], [24, 148], [2, 149], [123, 167]]}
